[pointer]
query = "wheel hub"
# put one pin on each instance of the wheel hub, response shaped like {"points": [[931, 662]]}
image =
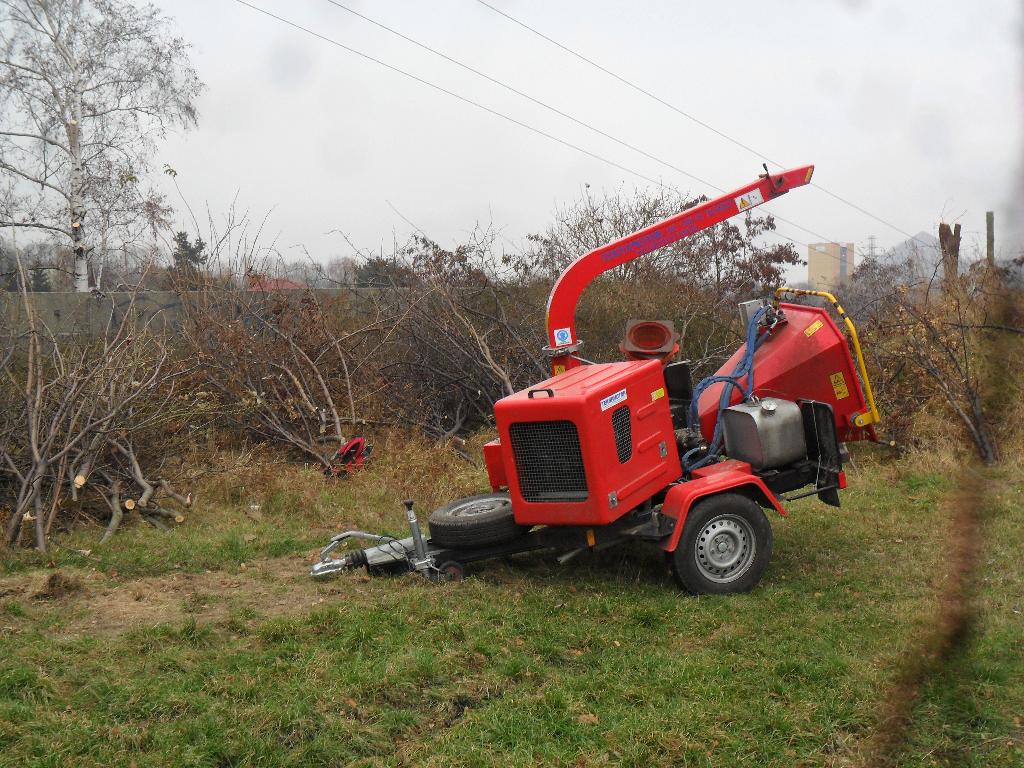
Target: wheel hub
{"points": [[472, 508], [725, 548]]}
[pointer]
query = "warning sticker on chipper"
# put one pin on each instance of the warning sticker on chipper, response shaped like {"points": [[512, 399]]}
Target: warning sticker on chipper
{"points": [[749, 200], [563, 337], [611, 400], [839, 385]]}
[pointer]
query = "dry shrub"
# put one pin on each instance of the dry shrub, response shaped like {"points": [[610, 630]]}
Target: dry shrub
{"points": [[468, 332], [469, 321], [441, 334], [422, 356], [87, 423], [1011, 441], [283, 365], [942, 359]]}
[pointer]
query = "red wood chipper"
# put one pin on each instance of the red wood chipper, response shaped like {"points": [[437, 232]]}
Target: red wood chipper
{"points": [[605, 453]]}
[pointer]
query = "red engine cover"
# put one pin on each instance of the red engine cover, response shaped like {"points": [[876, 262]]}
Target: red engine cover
{"points": [[585, 447], [805, 358]]}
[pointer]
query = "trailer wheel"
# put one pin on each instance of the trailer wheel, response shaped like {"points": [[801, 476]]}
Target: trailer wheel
{"points": [[725, 546], [449, 571], [476, 521]]}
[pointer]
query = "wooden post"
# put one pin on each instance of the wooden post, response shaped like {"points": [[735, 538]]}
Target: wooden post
{"points": [[949, 243], [990, 238]]}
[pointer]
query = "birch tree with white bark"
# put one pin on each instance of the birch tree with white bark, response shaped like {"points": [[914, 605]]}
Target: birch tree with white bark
{"points": [[87, 88]]}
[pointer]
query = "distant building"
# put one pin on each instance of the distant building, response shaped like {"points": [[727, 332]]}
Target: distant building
{"points": [[829, 265]]}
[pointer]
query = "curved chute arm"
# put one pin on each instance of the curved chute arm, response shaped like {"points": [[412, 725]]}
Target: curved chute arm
{"points": [[565, 295]]}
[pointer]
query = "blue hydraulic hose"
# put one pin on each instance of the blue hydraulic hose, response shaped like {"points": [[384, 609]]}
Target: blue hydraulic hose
{"points": [[731, 381]]}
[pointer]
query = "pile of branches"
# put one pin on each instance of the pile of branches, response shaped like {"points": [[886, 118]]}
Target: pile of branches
{"points": [[86, 423], [292, 368]]}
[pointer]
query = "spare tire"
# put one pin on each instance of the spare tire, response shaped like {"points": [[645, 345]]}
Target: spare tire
{"points": [[476, 521]]}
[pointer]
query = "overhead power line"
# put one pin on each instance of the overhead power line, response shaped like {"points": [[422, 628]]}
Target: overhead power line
{"points": [[444, 90], [461, 98], [526, 96], [630, 83], [470, 101], [557, 111], [688, 116]]}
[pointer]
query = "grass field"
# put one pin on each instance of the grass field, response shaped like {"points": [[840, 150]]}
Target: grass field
{"points": [[209, 646]]}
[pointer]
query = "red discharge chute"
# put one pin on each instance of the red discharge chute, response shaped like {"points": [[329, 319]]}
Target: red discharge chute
{"points": [[561, 312]]}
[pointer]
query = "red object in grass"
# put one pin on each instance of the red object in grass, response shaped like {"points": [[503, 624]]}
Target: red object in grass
{"points": [[351, 457]]}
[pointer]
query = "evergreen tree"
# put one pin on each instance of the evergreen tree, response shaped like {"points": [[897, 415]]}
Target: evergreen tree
{"points": [[187, 255], [378, 271]]}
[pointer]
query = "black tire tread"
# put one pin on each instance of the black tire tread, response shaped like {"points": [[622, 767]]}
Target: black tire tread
{"points": [[480, 530], [681, 561]]}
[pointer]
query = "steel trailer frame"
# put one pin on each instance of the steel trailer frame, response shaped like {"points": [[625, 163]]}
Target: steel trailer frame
{"points": [[442, 563]]}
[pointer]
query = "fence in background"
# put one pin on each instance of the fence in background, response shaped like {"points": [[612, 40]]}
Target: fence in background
{"points": [[89, 314]]}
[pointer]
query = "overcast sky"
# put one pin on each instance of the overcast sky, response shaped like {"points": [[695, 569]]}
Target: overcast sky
{"points": [[910, 108]]}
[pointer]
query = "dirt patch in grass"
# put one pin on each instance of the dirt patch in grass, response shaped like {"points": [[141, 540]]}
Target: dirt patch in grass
{"points": [[95, 603], [58, 586]]}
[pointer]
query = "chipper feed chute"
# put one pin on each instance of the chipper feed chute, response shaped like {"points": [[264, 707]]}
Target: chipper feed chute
{"points": [[805, 358]]}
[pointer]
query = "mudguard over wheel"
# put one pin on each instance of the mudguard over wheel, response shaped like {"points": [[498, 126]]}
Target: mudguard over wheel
{"points": [[476, 521], [725, 546]]}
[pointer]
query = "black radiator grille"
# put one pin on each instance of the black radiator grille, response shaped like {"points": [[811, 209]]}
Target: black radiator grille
{"points": [[549, 462], [622, 427]]}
